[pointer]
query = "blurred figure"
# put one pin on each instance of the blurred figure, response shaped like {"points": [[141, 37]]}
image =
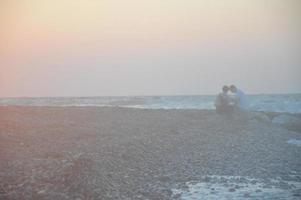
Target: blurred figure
{"points": [[223, 103], [240, 99]]}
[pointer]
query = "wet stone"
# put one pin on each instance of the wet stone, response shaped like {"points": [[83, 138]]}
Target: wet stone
{"points": [[207, 179], [247, 195], [223, 180], [164, 179], [237, 186], [213, 192]]}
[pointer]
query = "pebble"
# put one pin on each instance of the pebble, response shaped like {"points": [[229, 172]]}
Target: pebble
{"points": [[42, 192], [247, 195]]}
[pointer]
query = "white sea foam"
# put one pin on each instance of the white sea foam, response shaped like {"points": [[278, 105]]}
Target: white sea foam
{"points": [[237, 187], [294, 142], [276, 103]]}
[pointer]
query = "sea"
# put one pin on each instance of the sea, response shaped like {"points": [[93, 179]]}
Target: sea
{"points": [[286, 103]]}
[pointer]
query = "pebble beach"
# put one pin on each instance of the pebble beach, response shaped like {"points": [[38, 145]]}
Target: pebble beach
{"points": [[125, 153]]}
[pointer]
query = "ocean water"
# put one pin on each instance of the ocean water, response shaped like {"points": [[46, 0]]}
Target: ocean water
{"points": [[239, 187], [276, 103]]}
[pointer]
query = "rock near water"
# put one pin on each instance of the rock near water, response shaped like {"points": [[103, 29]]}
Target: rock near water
{"points": [[260, 117], [288, 121]]}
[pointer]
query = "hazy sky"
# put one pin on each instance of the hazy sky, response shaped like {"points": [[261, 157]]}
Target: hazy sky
{"points": [[148, 47]]}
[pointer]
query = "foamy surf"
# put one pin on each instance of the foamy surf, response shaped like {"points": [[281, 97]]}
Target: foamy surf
{"points": [[294, 142], [288, 103], [238, 187]]}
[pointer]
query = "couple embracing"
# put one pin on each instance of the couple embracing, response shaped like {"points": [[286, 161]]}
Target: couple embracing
{"points": [[226, 103]]}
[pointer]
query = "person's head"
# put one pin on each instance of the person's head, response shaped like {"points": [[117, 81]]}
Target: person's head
{"points": [[233, 88], [225, 89]]}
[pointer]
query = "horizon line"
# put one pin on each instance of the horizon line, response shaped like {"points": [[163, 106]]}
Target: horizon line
{"points": [[155, 95]]}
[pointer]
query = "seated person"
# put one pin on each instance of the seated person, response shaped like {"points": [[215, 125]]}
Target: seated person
{"points": [[240, 99], [223, 103]]}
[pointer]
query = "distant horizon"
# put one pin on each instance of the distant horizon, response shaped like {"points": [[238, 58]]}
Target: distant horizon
{"points": [[156, 95]]}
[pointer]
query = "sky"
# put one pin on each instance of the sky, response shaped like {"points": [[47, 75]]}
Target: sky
{"points": [[148, 47]]}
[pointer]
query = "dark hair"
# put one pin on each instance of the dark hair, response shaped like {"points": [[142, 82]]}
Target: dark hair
{"points": [[233, 87], [225, 88]]}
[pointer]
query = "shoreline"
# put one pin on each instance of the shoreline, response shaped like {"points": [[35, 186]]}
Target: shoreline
{"points": [[270, 114], [126, 153], [130, 107]]}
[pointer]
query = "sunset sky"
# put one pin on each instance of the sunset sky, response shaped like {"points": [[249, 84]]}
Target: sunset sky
{"points": [[148, 47]]}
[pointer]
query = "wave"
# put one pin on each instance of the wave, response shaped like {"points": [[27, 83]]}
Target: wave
{"points": [[270, 103]]}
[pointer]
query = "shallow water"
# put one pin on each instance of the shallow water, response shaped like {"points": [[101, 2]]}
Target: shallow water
{"points": [[238, 187], [294, 142], [275, 103]]}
